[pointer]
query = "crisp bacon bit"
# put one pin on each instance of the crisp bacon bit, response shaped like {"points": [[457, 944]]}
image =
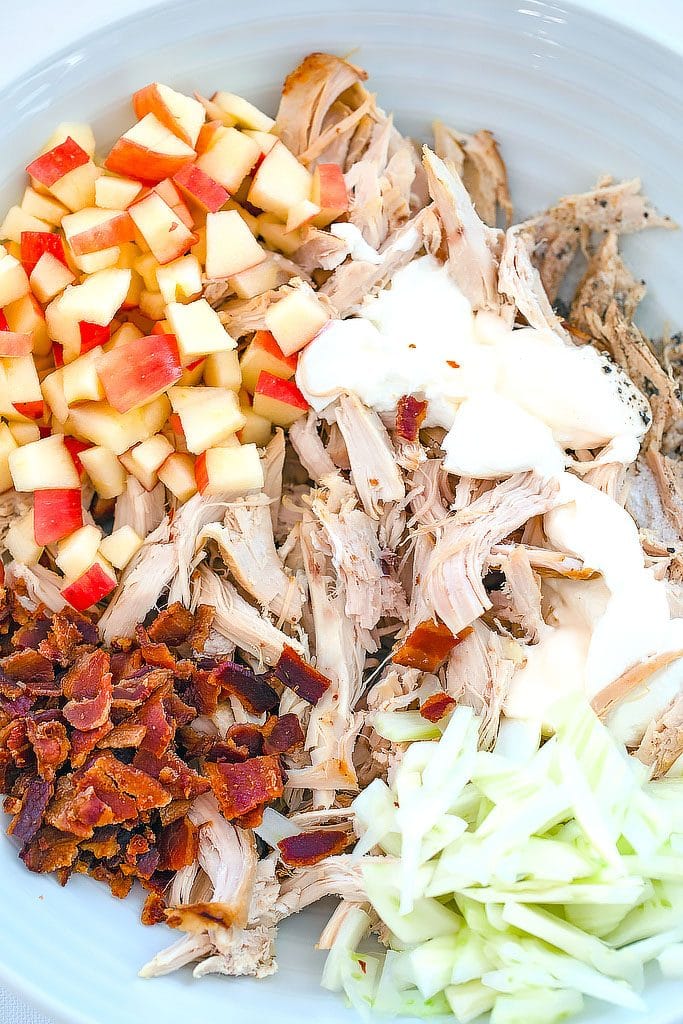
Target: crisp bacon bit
{"points": [[203, 620], [61, 642], [242, 787], [282, 735], [104, 843], [428, 646], [29, 816], [157, 654], [311, 847], [172, 626], [50, 850], [88, 685], [79, 812], [83, 742], [159, 731], [206, 689], [124, 788], [154, 910], [32, 634], [251, 690], [410, 414], [181, 781], [124, 736], [301, 677], [27, 666], [437, 707], [171, 812], [178, 845], [241, 742], [51, 745]]}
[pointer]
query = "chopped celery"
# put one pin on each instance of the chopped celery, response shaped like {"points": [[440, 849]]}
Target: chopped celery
{"points": [[670, 961], [469, 1000], [354, 927], [539, 1007], [404, 726], [432, 964]]}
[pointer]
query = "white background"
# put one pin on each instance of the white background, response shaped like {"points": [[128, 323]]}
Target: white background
{"points": [[26, 43]]}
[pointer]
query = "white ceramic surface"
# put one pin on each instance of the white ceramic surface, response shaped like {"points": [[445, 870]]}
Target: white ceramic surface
{"points": [[570, 96]]}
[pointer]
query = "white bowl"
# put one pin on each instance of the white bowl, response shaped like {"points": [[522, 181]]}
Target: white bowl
{"points": [[570, 96]]}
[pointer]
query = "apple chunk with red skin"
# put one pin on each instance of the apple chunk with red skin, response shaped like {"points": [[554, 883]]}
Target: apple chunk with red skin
{"points": [[329, 193], [92, 230], [296, 318], [135, 373], [161, 228], [56, 514], [278, 400], [201, 188], [280, 183], [149, 151], [229, 472], [43, 464], [92, 586], [264, 353], [230, 245], [182, 115]]}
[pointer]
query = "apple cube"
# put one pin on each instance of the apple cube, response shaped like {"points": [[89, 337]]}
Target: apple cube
{"points": [[104, 426], [259, 279], [54, 164], [23, 432], [296, 318], [149, 151], [329, 193], [278, 400], [264, 140], [147, 266], [105, 471], [20, 540], [13, 343], [93, 230], [230, 245], [301, 214], [151, 304], [229, 472], [244, 113], [17, 220], [170, 195], [280, 182], [134, 374], [13, 279], [76, 449], [49, 277], [192, 374], [182, 115], [57, 513], [207, 415], [53, 393], [121, 546], [92, 586], [229, 157], [8, 444], [161, 228], [80, 380], [222, 370], [76, 189], [275, 233], [181, 280], [35, 244], [177, 475], [25, 316], [80, 132], [198, 329], [24, 386], [115, 193], [257, 429], [124, 335], [43, 464], [96, 301], [45, 207], [144, 460], [264, 353], [77, 551], [202, 189]]}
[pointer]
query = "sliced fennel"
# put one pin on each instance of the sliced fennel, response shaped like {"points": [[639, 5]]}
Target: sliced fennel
{"points": [[514, 882]]}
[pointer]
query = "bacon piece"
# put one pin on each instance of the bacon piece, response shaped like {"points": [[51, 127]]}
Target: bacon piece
{"points": [[159, 731], [171, 812], [51, 745], [83, 742], [79, 812], [157, 654], [172, 626], [242, 787], [428, 646], [11, 688], [437, 707], [410, 414], [250, 690], [32, 634], [124, 788], [124, 736], [62, 640], [308, 848], [49, 850], [181, 781], [119, 884], [27, 666], [19, 706], [130, 693], [87, 684], [299, 676], [104, 843], [154, 910], [178, 845], [282, 735], [125, 665], [241, 742], [203, 620], [29, 817], [205, 691]]}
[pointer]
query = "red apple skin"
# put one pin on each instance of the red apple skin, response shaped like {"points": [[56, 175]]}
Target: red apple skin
{"points": [[135, 161], [169, 193], [74, 448], [14, 344], [56, 514], [34, 410], [150, 101], [53, 165], [201, 188], [266, 341], [134, 373], [35, 243], [115, 231], [201, 475], [88, 589], [281, 390], [333, 194], [58, 354], [206, 135], [93, 335]]}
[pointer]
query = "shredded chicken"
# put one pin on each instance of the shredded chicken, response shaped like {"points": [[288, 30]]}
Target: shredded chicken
{"points": [[478, 162], [522, 594], [305, 440], [142, 510], [374, 471], [662, 743], [42, 585], [337, 876], [478, 674], [520, 282]]}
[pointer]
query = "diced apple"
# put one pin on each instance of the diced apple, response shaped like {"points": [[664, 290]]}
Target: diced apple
{"points": [[53, 392], [209, 131], [147, 266], [54, 164], [198, 329], [229, 157], [171, 196], [222, 370], [230, 245], [149, 151], [207, 415], [92, 586], [181, 114], [17, 220], [57, 513], [115, 193], [120, 547], [280, 182], [13, 343], [45, 207], [160, 227], [25, 316], [43, 464], [275, 233], [24, 386], [202, 189], [23, 432], [259, 279], [144, 460], [192, 374], [264, 140], [264, 353], [93, 335], [181, 280], [20, 540], [13, 279], [93, 230], [278, 400], [229, 472], [8, 444], [296, 318], [76, 189], [124, 335], [77, 551], [104, 426], [96, 301], [35, 244], [199, 248], [49, 277], [329, 193], [257, 429], [80, 380], [151, 304], [134, 374], [105, 471], [81, 133], [301, 214], [244, 113], [76, 449], [177, 474]]}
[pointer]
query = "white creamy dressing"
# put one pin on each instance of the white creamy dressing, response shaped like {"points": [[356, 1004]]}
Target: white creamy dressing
{"points": [[513, 400]]}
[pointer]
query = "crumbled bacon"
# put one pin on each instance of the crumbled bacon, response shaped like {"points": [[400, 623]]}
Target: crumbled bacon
{"points": [[301, 677], [172, 626], [87, 684], [308, 848], [178, 844], [437, 707], [428, 646], [50, 744], [27, 666], [251, 690], [410, 414], [203, 620], [29, 815], [282, 735], [242, 787], [154, 910]]}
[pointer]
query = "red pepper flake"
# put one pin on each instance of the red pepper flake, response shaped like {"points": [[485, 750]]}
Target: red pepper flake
{"points": [[410, 414], [301, 677], [428, 646], [242, 787], [437, 707], [308, 848]]}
